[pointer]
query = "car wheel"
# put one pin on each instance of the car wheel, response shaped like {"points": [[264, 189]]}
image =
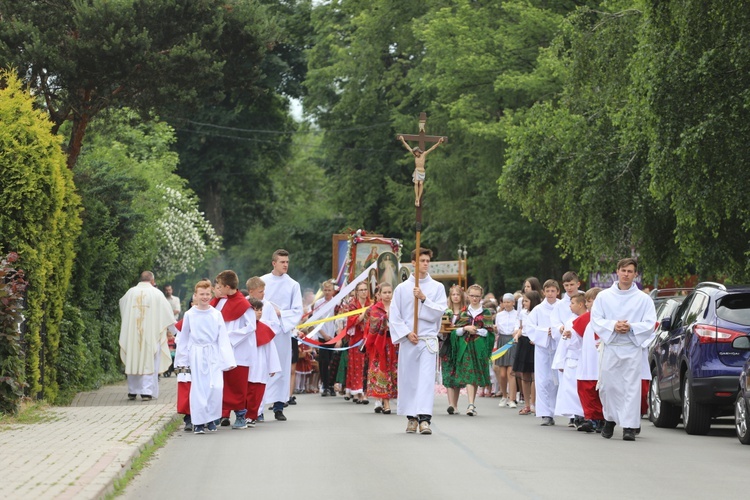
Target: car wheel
{"points": [[662, 414], [695, 416], [742, 420]]}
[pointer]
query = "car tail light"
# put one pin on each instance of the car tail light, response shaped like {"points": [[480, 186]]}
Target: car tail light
{"points": [[708, 334]]}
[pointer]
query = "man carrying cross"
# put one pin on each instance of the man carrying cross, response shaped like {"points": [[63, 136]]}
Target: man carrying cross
{"points": [[146, 316]]}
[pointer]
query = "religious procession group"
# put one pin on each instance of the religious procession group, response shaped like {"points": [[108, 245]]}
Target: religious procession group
{"points": [[581, 356]]}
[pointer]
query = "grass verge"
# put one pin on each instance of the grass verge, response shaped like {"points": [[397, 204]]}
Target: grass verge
{"points": [[31, 412], [143, 459]]}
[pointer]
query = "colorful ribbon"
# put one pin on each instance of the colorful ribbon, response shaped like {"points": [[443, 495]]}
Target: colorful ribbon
{"points": [[318, 346], [331, 318], [500, 351]]}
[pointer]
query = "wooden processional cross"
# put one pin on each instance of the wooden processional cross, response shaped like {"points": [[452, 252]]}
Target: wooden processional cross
{"points": [[420, 155]]}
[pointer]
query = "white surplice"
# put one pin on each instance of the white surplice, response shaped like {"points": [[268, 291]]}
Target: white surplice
{"points": [[204, 346], [622, 354], [283, 293], [568, 351], [146, 315], [588, 361], [545, 378], [417, 363]]}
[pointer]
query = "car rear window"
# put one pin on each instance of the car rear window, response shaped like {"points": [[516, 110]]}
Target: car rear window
{"points": [[735, 308]]}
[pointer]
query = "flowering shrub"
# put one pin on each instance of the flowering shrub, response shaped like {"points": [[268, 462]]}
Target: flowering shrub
{"points": [[185, 236], [12, 286]]}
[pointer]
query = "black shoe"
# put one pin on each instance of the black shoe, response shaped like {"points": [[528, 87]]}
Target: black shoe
{"points": [[323, 393], [279, 415], [146, 397], [378, 409], [548, 421], [225, 422], [608, 430], [332, 393], [599, 425], [292, 401], [628, 434], [637, 431], [131, 397], [587, 426]]}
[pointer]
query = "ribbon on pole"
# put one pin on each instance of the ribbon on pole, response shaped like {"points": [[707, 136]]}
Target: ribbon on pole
{"points": [[501, 351], [328, 307]]}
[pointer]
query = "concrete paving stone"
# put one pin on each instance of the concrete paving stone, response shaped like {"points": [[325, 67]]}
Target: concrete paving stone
{"points": [[82, 449]]}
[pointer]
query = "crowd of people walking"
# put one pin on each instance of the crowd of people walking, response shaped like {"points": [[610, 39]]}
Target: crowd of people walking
{"points": [[546, 350]]}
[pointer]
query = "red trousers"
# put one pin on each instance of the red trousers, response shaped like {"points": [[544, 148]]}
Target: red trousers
{"points": [[183, 398], [235, 390], [592, 406], [255, 392]]}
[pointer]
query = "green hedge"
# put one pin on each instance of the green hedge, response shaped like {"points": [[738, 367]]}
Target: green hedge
{"points": [[39, 219]]}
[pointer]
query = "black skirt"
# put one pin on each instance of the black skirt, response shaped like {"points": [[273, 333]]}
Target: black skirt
{"points": [[524, 362]]}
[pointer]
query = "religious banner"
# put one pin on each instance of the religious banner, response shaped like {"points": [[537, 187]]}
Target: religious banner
{"points": [[605, 280], [440, 270]]}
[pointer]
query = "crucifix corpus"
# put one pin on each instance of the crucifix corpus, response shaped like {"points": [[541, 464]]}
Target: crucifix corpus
{"points": [[420, 155]]}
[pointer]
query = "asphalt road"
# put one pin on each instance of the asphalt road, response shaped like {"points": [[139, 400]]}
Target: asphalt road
{"points": [[331, 449]]}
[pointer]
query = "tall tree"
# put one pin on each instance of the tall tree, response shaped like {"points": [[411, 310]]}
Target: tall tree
{"points": [[84, 56]]}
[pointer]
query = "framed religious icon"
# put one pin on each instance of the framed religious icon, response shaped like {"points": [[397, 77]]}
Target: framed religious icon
{"points": [[355, 252], [388, 269]]}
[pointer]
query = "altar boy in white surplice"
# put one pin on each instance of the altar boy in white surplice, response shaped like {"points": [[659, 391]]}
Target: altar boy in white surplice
{"points": [[204, 347], [417, 355], [541, 333]]}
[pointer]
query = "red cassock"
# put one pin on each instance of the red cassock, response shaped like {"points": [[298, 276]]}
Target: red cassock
{"points": [[235, 380], [255, 390], [592, 405], [183, 388]]}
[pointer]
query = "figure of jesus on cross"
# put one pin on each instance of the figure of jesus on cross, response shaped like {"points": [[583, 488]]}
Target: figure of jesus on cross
{"points": [[420, 155]]}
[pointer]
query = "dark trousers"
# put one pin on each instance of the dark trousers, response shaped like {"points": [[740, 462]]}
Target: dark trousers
{"points": [[324, 363]]}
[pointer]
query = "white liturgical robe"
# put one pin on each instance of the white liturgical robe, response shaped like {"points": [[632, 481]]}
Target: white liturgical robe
{"points": [[204, 346], [146, 315], [622, 354], [545, 377], [417, 363], [283, 293]]}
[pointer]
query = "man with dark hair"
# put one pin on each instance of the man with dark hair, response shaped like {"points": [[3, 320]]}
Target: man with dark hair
{"points": [[284, 294], [624, 318], [417, 355]]}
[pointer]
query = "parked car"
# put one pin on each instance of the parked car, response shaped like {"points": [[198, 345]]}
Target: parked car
{"points": [[742, 404], [693, 364]]}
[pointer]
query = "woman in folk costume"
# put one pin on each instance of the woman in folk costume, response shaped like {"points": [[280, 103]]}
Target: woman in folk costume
{"points": [[356, 326], [456, 304], [471, 346], [382, 382]]}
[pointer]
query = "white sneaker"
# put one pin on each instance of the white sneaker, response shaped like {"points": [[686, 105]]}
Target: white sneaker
{"points": [[503, 402], [512, 404]]}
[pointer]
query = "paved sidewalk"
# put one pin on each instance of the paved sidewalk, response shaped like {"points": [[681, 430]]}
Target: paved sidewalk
{"points": [[84, 447]]}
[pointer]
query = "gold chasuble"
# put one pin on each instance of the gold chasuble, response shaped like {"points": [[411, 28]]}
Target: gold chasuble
{"points": [[146, 314]]}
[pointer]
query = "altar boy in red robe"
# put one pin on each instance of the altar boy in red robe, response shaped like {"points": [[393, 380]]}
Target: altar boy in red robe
{"points": [[239, 319]]}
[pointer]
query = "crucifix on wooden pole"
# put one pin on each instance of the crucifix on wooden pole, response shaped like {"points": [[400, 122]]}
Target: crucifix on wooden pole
{"points": [[420, 155]]}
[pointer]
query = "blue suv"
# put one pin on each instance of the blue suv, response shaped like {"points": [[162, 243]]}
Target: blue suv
{"points": [[693, 364]]}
